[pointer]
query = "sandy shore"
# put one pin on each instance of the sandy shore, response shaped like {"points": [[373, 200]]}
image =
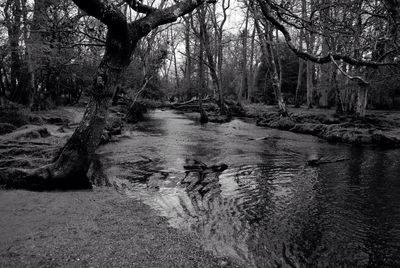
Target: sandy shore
{"points": [[99, 228]]}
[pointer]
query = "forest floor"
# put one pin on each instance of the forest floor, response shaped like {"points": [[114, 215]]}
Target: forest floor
{"points": [[97, 228], [379, 127]]}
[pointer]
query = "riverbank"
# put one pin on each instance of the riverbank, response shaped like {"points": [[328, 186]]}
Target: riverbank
{"points": [[247, 216], [98, 228], [381, 128]]}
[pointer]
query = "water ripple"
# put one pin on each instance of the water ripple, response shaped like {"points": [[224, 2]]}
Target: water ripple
{"points": [[269, 208]]}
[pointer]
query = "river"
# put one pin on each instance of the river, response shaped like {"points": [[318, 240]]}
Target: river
{"points": [[269, 208]]}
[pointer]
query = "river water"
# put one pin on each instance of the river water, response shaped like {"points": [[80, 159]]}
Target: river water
{"points": [[268, 208]]}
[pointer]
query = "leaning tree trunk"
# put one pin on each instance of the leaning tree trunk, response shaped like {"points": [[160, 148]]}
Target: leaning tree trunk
{"points": [[212, 65], [276, 77], [71, 165]]}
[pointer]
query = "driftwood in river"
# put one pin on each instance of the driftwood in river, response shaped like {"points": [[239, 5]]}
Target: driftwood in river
{"points": [[193, 165], [211, 107], [321, 160], [202, 171]]}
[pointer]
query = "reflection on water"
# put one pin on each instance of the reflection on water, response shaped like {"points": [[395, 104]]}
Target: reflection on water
{"points": [[268, 209]]}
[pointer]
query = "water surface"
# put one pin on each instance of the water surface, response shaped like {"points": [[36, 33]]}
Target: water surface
{"points": [[268, 208]]}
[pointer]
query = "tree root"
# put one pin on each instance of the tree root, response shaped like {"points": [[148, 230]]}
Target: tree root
{"points": [[36, 166], [49, 177]]}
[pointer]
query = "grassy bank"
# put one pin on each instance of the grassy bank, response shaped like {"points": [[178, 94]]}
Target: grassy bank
{"points": [[381, 128]]}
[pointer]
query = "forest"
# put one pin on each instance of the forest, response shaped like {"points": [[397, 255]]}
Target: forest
{"points": [[241, 46], [120, 93]]}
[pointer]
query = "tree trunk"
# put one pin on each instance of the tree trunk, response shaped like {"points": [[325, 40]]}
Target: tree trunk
{"points": [[250, 86], [393, 7], [221, 101], [34, 46], [309, 64], [297, 102], [260, 82], [219, 29], [263, 69], [2, 90], [28, 50], [362, 98], [203, 114], [70, 167], [275, 73], [210, 58], [276, 84], [176, 69], [14, 33], [310, 88], [243, 86], [325, 79], [338, 95], [188, 67]]}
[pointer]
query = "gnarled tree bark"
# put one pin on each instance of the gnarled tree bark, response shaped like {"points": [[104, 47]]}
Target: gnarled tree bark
{"points": [[71, 165]]}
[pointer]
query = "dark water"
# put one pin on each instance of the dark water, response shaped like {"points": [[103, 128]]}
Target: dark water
{"points": [[268, 208]]}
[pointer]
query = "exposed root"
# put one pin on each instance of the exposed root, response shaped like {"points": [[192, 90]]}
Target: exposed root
{"points": [[34, 166], [49, 177]]}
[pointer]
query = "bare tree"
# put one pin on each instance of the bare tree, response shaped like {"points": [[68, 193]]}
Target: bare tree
{"points": [[219, 33], [71, 165], [297, 101], [281, 18], [201, 12]]}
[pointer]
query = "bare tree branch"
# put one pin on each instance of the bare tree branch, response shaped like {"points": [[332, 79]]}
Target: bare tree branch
{"points": [[264, 5], [166, 15], [104, 11], [139, 7], [360, 80]]}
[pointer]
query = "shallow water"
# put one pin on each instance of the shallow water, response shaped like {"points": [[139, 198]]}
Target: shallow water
{"points": [[268, 208]]}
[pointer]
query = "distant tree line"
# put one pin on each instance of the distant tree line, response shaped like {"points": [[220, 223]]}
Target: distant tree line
{"points": [[318, 53]]}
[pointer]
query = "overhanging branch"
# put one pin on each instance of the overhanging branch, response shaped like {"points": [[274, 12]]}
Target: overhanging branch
{"points": [[163, 16], [139, 7], [360, 80], [104, 11], [264, 5]]}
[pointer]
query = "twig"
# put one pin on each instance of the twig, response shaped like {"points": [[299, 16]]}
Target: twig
{"points": [[138, 93], [360, 80]]}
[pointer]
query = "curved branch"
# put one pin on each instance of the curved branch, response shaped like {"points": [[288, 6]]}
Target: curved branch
{"points": [[104, 11], [307, 56], [159, 17], [360, 80], [139, 7]]}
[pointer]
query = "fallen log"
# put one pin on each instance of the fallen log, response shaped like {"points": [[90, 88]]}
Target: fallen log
{"points": [[321, 160], [189, 102], [202, 169]]}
